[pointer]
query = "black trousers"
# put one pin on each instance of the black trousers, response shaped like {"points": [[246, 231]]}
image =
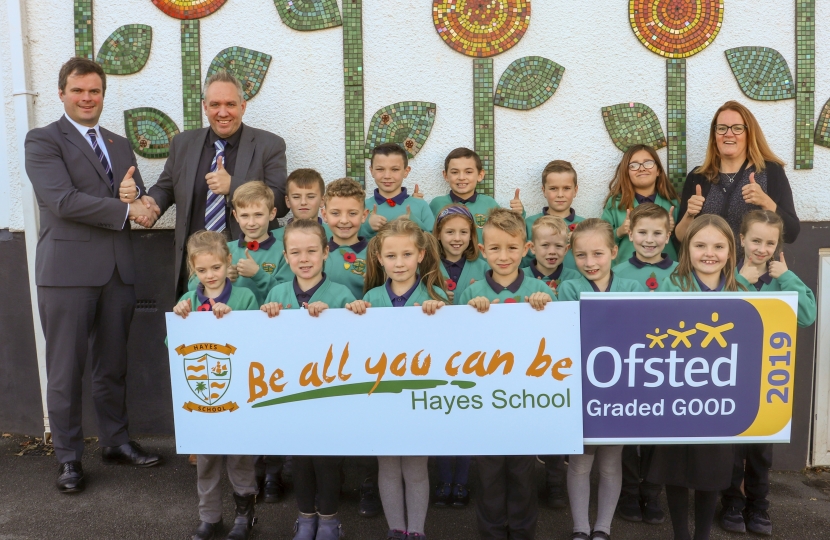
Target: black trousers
{"points": [[317, 477], [634, 467], [556, 473], [75, 319], [507, 506], [755, 477]]}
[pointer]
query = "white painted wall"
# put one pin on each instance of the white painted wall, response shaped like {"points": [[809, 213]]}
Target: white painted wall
{"points": [[302, 96]]}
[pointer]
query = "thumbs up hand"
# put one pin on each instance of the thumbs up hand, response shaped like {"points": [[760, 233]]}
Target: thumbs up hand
{"points": [[247, 267], [753, 193], [417, 194], [516, 204], [127, 191], [376, 221], [219, 181], [671, 220], [776, 268], [750, 273], [625, 228], [695, 204], [408, 211]]}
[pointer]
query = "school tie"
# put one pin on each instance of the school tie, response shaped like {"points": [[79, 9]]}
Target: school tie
{"points": [[100, 153], [215, 207]]}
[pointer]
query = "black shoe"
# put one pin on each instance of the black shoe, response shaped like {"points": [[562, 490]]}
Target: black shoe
{"points": [[70, 477], [599, 535], [207, 531], [273, 488], [443, 496], [395, 534], [369, 504], [732, 520], [460, 496], [652, 512], [244, 520], [130, 454], [758, 522], [556, 497], [628, 508]]}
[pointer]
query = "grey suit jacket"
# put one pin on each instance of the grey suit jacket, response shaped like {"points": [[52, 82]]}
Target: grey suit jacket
{"points": [[83, 232], [261, 156]]}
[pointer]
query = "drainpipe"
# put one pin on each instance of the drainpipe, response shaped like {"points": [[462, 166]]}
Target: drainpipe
{"points": [[23, 99]]}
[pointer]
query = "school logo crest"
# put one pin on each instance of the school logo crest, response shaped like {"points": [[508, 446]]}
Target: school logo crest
{"points": [[359, 267], [207, 371], [269, 267], [481, 219]]}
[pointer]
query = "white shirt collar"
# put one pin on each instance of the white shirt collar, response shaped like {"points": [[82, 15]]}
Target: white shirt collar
{"points": [[84, 129]]}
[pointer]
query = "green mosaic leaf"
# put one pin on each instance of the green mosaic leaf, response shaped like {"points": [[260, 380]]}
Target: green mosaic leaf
{"points": [[149, 131], [822, 135], [247, 65], [762, 73], [308, 15], [407, 123], [126, 50], [527, 83], [633, 123]]}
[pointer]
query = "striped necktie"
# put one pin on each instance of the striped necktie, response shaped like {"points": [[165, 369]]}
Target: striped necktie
{"points": [[100, 153], [215, 207]]}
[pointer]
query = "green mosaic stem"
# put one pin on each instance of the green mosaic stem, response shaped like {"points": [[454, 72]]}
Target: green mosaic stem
{"points": [[484, 121], [191, 75], [353, 86], [805, 77], [83, 29], [676, 133]]}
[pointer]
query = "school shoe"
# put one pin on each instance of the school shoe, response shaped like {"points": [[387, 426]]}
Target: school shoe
{"points": [[395, 534], [416, 536], [272, 488], [443, 495], [580, 536], [758, 522], [732, 520], [600, 535], [207, 531], [556, 497], [305, 528], [245, 519], [652, 512], [460, 496], [329, 528], [70, 477], [130, 453], [628, 508], [369, 503]]}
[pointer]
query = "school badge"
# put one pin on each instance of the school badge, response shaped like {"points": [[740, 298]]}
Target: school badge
{"points": [[207, 370], [359, 267], [269, 267], [481, 219]]}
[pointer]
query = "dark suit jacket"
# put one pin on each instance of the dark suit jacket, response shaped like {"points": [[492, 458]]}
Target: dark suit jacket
{"points": [[261, 156], [83, 233]]}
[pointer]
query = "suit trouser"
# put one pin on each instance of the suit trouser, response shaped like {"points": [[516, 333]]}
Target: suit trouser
{"points": [[209, 473], [507, 506], [73, 319], [755, 477], [556, 473]]}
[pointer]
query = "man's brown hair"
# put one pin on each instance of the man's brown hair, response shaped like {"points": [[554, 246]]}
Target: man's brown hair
{"points": [[81, 66]]}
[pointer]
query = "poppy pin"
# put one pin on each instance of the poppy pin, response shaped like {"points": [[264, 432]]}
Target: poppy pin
{"points": [[349, 257], [253, 246], [203, 307], [651, 283], [390, 202], [572, 226], [450, 285], [510, 300]]}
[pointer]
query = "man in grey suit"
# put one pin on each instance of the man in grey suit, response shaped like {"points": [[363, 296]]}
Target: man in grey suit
{"points": [[84, 268], [207, 165]]}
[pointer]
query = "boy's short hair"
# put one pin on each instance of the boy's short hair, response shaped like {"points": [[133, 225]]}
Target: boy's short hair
{"points": [[389, 149], [255, 191], [507, 221], [346, 188], [203, 242], [557, 224], [462, 152], [649, 211], [558, 166], [306, 179]]}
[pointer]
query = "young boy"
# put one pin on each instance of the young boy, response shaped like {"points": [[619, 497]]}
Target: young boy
{"points": [[559, 186], [550, 245], [463, 171], [507, 505], [389, 166], [649, 234], [344, 213]]}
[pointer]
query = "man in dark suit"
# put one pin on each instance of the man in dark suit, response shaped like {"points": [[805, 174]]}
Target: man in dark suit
{"points": [[84, 268], [207, 165]]}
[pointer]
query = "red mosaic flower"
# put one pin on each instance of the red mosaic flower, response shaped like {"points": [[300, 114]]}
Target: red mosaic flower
{"points": [[253, 246], [510, 300], [188, 9], [572, 226], [390, 202], [203, 307], [651, 283], [481, 28], [676, 28], [450, 284], [349, 257]]}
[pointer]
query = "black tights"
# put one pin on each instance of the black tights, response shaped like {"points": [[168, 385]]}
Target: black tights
{"points": [[317, 478], [705, 503]]}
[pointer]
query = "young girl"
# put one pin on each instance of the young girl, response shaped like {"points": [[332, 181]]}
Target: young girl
{"points": [[762, 234], [208, 258], [316, 478], [409, 257], [594, 250], [458, 248], [640, 178], [707, 263]]}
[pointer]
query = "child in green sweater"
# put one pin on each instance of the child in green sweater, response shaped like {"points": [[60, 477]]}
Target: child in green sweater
{"points": [[344, 212], [649, 234], [550, 244], [463, 172], [460, 264]]}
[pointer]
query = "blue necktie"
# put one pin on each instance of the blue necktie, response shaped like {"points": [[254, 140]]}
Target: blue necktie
{"points": [[100, 153], [215, 207]]}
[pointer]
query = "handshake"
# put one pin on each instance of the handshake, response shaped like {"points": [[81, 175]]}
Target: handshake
{"points": [[144, 210]]}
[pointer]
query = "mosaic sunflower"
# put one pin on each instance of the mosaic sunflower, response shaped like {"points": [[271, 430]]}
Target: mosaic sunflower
{"points": [[188, 9], [676, 28], [481, 28]]}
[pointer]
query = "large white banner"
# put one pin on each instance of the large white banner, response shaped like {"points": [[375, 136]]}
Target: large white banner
{"points": [[390, 382]]}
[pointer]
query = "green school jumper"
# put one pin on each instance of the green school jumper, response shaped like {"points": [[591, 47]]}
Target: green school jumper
{"points": [[420, 212], [668, 286], [334, 295], [613, 215], [270, 259], [571, 221], [349, 272], [648, 275], [515, 292], [478, 205], [473, 270], [379, 296], [553, 280], [792, 283], [573, 288]]}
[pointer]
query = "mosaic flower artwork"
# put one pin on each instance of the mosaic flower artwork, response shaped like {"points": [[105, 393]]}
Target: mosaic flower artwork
{"points": [[188, 9], [762, 73], [527, 83], [633, 123], [407, 123], [308, 15], [149, 131], [481, 28], [676, 28], [249, 66], [126, 50]]}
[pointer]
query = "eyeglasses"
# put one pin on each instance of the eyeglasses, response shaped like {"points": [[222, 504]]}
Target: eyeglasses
{"points": [[634, 166], [737, 129]]}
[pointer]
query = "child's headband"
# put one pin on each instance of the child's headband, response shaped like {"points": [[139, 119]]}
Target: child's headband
{"points": [[455, 211]]}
